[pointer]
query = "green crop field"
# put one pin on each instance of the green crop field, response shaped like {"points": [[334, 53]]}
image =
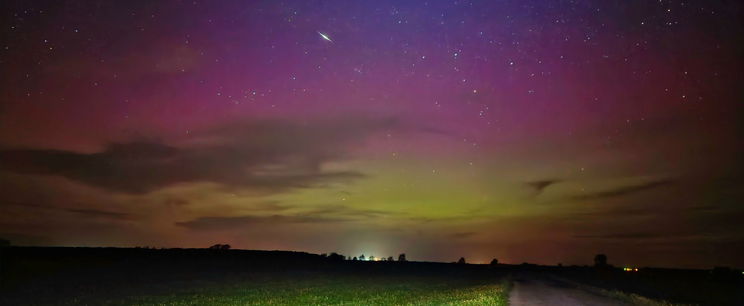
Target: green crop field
{"points": [[344, 290]]}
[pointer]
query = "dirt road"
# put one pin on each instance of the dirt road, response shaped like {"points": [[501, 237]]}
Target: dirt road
{"points": [[532, 292]]}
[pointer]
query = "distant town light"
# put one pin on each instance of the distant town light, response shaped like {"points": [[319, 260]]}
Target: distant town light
{"points": [[626, 269]]}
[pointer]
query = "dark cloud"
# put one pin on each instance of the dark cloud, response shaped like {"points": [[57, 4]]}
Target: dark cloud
{"points": [[228, 223], [635, 235], [269, 155], [733, 179], [445, 219], [705, 208], [81, 211], [463, 235], [539, 186], [324, 214], [100, 213], [345, 211], [177, 202], [269, 206], [664, 237], [720, 222], [617, 212], [24, 204], [623, 191]]}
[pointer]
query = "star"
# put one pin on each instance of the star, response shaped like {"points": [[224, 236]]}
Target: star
{"points": [[325, 37]]}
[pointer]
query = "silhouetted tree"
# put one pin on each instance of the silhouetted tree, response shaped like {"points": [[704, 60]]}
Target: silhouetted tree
{"points": [[362, 257], [600, 260], [215, 247], [371, 258], [336, 257], [402, 257], [494, 262], [461, 260], [390, 258], [355, 258]]}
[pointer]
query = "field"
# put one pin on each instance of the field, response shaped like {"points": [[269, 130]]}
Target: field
{"points": [[198, 277], [111, 276], [350, 290]]}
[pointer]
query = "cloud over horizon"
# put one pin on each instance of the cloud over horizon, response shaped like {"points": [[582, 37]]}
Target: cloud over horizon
{"points": [[624, 190], [234, 223], [270, 155]]}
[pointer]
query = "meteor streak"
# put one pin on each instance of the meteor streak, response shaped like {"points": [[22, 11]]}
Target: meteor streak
{"points": [[325, 37]]}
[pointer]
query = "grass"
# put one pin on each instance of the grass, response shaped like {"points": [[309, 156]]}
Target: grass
{"points": [[658, 287], [338, 290], [630, 298]]}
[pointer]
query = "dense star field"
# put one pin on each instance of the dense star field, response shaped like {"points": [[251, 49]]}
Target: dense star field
{"points": [[529, 131]]}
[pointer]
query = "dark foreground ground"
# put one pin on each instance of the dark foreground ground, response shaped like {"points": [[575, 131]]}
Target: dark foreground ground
{"points": [[532, 291], [110, 276]]}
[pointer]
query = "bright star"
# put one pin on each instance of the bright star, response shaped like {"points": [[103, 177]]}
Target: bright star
{"points": [[325, 37]]}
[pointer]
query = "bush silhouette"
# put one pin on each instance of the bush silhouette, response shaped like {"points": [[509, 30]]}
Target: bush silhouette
{"points": [[461, 261], [494, 262], [218, 247], [402, 257], [336, 257]]}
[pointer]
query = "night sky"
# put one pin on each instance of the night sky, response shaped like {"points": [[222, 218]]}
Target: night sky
{"points": [[528, 131]]}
